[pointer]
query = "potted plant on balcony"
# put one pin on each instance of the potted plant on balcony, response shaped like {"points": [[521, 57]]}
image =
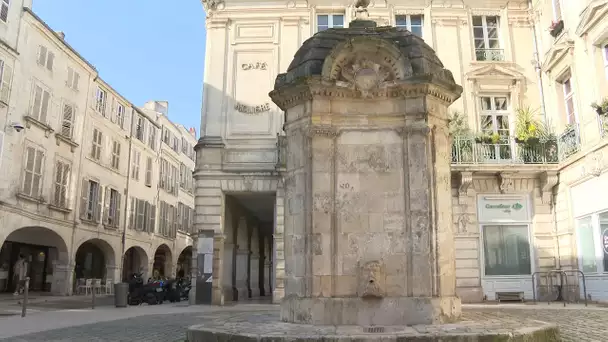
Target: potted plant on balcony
{"points": [[556, 28], [462, 145], [602, 107], [487, 138], [548, 139], [527, 127]]}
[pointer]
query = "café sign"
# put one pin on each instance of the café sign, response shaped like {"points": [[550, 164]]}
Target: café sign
{"points": [[507, 209]]}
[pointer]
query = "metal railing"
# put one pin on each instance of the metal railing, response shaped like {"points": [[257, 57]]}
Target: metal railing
{"points": [[469, 150], [490, 55], [569, 141], [559, 286]]}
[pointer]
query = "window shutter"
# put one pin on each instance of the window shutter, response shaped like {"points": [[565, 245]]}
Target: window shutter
{"points": [[132, 214], [65, 182], [106, 206], [1, 147], [84, 198], [35, 110], [44, 108], [191, 220], [147, 217], [149, 171], [68, 117], [175, 222], [75, 82], [4, 12], [99, 203], [151, 229], [5, 88], [117, 211], [41, 55], [70, 80], [49, 60]]}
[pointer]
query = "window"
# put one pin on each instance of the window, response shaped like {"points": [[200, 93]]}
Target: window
{"points": [[4, 10], [45, 57], [152, 138], [569, 101], [140, 128], [485, 33], [6, 78], [186, 178], [184, 221], [120, 115], [62, 177], [495, 121], [67, 122], [90, 208], [111, 213], [96, 144], [604, 54], [115, 155], [592, 239], [101, 97], [148, 180], [327, 21], [73, 77], [168, 220], [40, 103], [506, 250], [412, 23], [32, 178], [135, 165]]}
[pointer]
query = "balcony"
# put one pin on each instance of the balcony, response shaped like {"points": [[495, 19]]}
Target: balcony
{"points": [[490, 55], [469, 150], [569, 141]]}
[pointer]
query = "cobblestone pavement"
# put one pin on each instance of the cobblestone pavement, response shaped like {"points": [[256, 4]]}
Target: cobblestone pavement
{"points": [[577, 324]]}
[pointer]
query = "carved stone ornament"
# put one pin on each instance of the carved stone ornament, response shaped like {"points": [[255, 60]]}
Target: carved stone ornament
{"points": [[245, 109], [371, 280], [466, 178], [593, 165], [248, 182], [463, 221], [505, 182], [364, 75], [325, 131], [255, 66], [212, 4], [547, 181]]}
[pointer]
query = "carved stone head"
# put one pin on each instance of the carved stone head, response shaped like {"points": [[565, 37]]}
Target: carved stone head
{"points": [[371, 280]]}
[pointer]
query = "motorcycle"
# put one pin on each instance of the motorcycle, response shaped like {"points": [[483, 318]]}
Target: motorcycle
{"points": [[152, 293]]}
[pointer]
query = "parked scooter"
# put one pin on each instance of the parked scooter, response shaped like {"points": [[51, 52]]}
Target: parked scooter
{"points": [[151, 293]]}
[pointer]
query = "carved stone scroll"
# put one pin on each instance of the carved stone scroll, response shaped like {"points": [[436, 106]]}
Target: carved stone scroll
{"points": [[505, 182], [547, 181], [465, 178]]}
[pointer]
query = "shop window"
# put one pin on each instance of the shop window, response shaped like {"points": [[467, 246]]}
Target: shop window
{"points": [[506, 250], [592, 238]]}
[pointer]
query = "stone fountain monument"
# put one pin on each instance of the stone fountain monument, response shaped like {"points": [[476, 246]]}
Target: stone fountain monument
{"points": [[369, 241]]}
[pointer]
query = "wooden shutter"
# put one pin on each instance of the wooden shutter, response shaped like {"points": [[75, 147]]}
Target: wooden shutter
{"points": [[117, 211], [37, 100], [152, 219], [147, 217], [75, 81], [132, 214], [7, 78], [37, 176], [65, 181], [70, 80], [84, 199], [4, 11], [68, 118], [149, 171], [44, 107], [106, 205], [191, 220], [41, 55], [50, 59], [99, 204]]}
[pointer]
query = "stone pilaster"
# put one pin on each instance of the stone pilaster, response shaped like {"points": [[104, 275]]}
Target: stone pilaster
{"points": [[276, 255], [217, 293], [228, 286], [242, 257], [254, 263]]}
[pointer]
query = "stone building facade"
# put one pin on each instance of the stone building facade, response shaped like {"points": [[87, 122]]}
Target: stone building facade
{"points": [[85, 192], [517, 209]]}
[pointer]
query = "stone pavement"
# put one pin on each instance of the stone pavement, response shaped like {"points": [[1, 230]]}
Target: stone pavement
{"points": [[168, 322]]}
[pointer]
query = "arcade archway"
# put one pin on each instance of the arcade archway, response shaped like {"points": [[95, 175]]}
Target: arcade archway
{"points": [[162, 262], [93, 257], [184, 263], [135, 261]]}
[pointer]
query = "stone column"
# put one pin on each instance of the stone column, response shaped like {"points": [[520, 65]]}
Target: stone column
{"points": [[242, 257], [254, 263], [267, 266], [113, 273], [227, 255], [277, 254]]}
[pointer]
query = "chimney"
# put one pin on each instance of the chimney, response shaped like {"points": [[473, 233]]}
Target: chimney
{"points": [[61, 34]]}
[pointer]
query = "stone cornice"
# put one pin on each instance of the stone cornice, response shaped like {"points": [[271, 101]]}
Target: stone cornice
{"points": [[312, 87]]}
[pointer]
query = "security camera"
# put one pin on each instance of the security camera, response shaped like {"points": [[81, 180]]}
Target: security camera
{"points": [[17, 126]]}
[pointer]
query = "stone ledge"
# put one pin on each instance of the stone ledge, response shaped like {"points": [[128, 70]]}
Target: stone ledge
{"points": [[264, 325], [386, 311]]}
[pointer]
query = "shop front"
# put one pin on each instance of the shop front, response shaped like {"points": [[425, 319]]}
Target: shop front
{"points": [[591, 224], [506, 252], [39, 266]]}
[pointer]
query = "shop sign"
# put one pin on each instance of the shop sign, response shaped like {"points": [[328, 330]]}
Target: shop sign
{"points": [[503, 209]]}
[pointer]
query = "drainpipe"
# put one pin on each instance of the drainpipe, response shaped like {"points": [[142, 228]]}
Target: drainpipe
{"points": [[558, 261], [126, 193], [537, 67]]}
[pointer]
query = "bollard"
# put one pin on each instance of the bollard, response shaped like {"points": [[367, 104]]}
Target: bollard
{"points": [[26, 287], [93, 298]]}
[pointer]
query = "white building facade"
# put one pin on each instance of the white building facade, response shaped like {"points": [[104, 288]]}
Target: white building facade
{"points": [[516, 204], [80, 194]]}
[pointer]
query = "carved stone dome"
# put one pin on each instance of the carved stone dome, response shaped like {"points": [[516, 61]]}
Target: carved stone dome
{"points": [[365, 57]]}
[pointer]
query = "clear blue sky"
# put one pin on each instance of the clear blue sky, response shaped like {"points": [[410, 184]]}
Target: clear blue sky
{"points": [[145, 49]]}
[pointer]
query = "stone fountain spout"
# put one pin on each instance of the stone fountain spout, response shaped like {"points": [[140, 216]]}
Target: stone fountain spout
{"points": [[371, 280]]}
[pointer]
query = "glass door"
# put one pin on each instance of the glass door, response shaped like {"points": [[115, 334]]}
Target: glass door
{"points": [[495, 126], [506, 250]]}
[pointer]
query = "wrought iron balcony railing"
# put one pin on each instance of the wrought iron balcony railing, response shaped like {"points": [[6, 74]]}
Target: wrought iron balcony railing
{"points": [[569, 141], [468, 150], [496, 55]]}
